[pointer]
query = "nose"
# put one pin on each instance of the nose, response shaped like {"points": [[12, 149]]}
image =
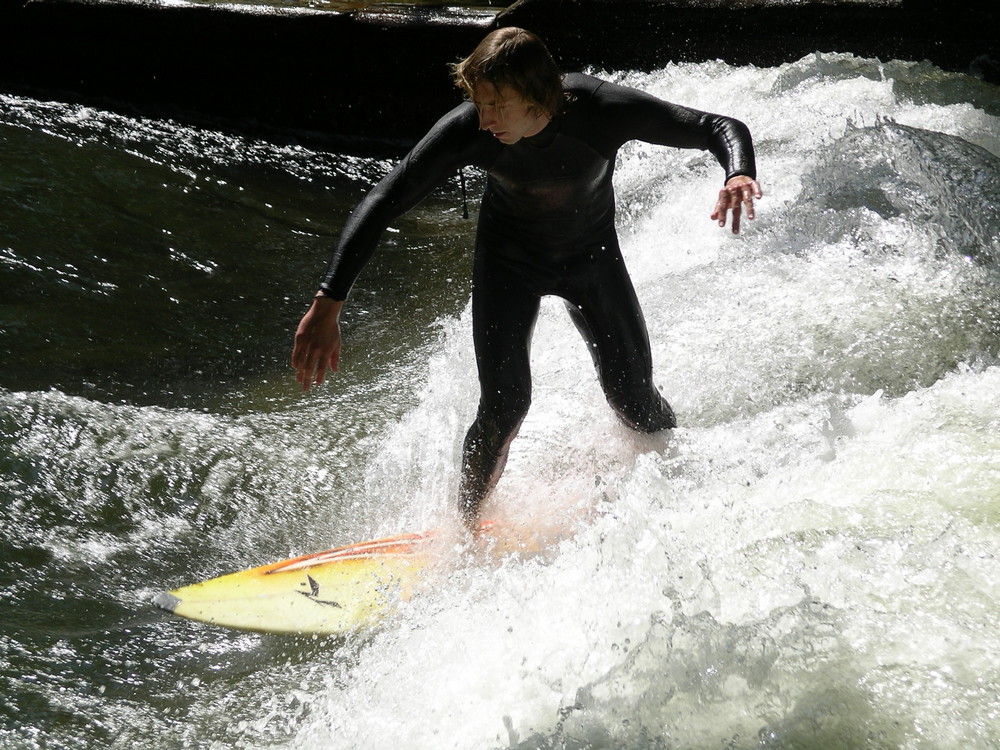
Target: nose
{"points": [[487, 117]]}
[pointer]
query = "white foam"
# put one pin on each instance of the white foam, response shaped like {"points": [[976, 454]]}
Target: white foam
{"points": [[810, 559]]}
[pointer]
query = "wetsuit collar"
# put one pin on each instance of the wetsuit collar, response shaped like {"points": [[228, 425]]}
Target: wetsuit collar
{"points": [[545, 136]]}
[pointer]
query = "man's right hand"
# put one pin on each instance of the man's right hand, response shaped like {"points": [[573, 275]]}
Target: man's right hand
{"points": [[317, 342]]}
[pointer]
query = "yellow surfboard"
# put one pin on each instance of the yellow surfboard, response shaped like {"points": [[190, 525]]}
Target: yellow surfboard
{"points": [[327, 593]]}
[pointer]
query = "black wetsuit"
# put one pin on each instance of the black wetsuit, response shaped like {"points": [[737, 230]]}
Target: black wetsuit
{"points": [[546, 227]]}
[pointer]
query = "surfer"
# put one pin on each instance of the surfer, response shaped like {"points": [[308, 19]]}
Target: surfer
{"points": [[547, 143]]}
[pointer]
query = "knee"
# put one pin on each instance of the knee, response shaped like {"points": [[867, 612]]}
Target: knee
{"points": [[500, 413]]}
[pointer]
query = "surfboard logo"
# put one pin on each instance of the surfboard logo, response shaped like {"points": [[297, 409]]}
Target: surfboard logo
{"points": [[313, 593]]}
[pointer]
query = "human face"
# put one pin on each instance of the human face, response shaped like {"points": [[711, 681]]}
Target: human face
{"points": [[505, 114]]}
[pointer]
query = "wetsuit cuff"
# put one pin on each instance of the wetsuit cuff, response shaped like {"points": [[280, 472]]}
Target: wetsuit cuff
{"points": [[324, 292], [740, 173]]}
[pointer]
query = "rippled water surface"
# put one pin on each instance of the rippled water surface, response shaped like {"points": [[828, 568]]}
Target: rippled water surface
{"points": [[809, 561]]}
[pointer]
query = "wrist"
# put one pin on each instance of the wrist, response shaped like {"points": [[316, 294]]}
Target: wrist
{"points": [[326, 305]]}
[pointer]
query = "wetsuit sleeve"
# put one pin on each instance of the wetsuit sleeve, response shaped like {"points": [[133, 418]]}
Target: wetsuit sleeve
{"points": [[627, 114], [449, 145]]}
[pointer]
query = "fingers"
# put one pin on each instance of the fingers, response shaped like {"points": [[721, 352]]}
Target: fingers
{"points": [[728, 201], [721, 206], [319, 372], [313, 371], [747, 199], [749, 192], [311, 366], [323, 363], [301, 363], [735, 199]]}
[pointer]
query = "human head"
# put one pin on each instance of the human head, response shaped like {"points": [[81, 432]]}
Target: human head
{"points": [[515, 58]]}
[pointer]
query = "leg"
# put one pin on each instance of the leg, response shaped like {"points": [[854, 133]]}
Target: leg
{"points": [[606, 311], [503, 319]]}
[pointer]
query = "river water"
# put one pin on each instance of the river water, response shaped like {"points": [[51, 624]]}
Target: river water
{"points": [[809, 561]]}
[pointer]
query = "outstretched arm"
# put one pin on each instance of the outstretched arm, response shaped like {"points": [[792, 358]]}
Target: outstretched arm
{"points": [[627, 114], [447, 146]]}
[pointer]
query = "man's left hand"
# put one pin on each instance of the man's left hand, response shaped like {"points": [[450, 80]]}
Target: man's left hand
{"points": [[738, 192]]}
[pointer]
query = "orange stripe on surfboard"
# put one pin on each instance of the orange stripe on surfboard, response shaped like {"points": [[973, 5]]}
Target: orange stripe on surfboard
{"points": [[406, 544], [403, 544]]}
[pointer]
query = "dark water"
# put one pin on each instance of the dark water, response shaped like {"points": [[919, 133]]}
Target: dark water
{"points": [[151, 278], [810, 561], [149, 263]]}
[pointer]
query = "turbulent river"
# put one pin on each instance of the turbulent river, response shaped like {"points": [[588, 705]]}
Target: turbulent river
{"points": [[809, 561]]}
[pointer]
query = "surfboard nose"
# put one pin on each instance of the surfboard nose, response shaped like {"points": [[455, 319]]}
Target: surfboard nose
{"points": [[167, 601]]}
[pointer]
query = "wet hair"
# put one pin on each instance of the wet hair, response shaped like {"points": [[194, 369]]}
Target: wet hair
{"points": [[516, 58]]}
